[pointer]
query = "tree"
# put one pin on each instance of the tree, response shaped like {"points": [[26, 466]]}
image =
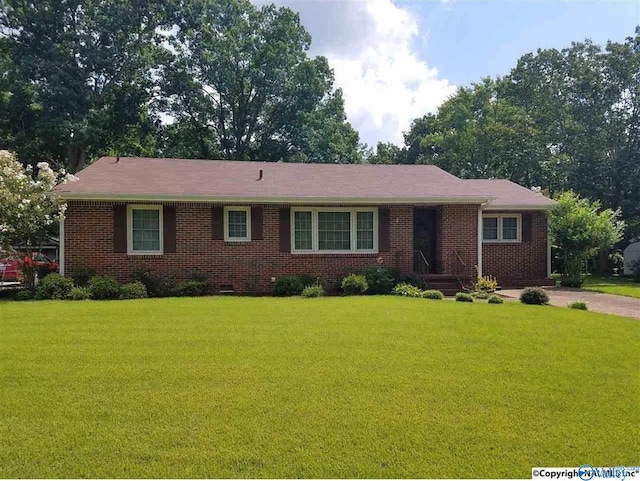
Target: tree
{"points": [[27, 209], [387, 153], [580, 229], [84, 73], [241, 86]]}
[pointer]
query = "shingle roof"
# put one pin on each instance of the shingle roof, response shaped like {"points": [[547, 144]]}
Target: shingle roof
{"points": [[134, 178], [510, 195]]}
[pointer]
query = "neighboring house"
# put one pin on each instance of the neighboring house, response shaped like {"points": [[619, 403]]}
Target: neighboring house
{"points": [[244, 223]]}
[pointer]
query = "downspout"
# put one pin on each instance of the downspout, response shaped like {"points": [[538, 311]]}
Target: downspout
{"points": [[548, 250], [61, 249], [479, 267]]}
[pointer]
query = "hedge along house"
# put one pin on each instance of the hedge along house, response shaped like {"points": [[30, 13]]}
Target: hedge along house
{"points": [[244, 223]]}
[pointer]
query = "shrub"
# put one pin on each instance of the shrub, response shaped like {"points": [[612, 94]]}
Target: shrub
{"points": [[464, 297], [380, 279], [288, 286], [82, 275], [580, 305], [79, 294], [481, 295], [432, 294], [190, 289], [486, 284], [133, 290], [308, 280], [354, 284], [157, 285], [495, 299], [54, 286], [534, 295], [103, 287], [635, 269], [23, 295], [313, 291], [407, 290]]}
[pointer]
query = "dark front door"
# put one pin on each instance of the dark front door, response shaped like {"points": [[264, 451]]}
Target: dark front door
{"points": [[424, 239]]}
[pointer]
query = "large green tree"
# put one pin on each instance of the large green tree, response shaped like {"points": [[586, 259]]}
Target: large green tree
{"points": [[242, 86], [83, 74]]}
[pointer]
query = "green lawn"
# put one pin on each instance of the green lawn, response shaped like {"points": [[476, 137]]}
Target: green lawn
{"points": [[334, 387], [623, 286]]}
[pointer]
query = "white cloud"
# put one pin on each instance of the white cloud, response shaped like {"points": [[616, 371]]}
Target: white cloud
{"points": [[370, 45]]}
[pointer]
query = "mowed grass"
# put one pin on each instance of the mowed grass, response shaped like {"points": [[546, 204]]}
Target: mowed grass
{"points": [[375, 387], [622, 286]]}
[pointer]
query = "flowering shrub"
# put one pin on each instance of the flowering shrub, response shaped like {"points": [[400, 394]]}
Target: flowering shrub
{"points": [[407, 290], [27, 209]]}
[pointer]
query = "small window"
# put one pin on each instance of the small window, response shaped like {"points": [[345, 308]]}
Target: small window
{"points": [[303, 233], [237, 224], [144, 229], [490, 228], [364, 232], [502, 228]]}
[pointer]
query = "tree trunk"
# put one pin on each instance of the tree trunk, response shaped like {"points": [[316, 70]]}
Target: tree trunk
{"points": [[76, 158], [603, 263]]}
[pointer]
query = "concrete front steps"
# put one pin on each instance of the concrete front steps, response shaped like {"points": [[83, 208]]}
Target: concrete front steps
{"points": [[447, 283]]}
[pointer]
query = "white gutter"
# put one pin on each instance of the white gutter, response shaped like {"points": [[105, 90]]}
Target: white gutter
{"points": [[272, 200], [519, 207], [480, 241], [548, 250]]}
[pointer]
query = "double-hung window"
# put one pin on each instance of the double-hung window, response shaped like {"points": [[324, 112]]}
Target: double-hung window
{"points": [[502, 228], [144, 223], [334, 230], [237, 224]]}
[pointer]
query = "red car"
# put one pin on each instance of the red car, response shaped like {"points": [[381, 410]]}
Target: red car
{"points": [[10, 266]]}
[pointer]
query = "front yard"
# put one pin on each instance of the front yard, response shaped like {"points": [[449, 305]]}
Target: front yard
{"points": [[332, 387], [622, 286]]}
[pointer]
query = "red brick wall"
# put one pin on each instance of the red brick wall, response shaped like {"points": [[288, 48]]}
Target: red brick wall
{"points": [[458, 232], [519, 264], [247, 266]]}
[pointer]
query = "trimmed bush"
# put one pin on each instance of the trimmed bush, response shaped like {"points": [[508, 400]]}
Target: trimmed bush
{"points": [[495, 300], [157, 285], [286, 286], [82, 275], [23, 295], [54, 286], [313, 291], [190, 289], [407, 290], [354, 284], [464, 297], [133, 290], [580, 305], [79, 294], [380, 279], [432, 294], [103, 288], [308, 280], [534, 295], [481, 295]]}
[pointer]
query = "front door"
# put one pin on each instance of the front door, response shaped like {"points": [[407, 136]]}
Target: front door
{"points": [[424, 239]]}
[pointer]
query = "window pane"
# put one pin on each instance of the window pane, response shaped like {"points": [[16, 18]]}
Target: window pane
{"points": [[364, 230], [509, 228], [303, 238], [145, 230], [237, 224], [334, 231], [490, 228]]}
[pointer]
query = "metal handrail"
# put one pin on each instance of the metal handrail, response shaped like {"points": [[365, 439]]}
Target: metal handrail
{"points": [[424, 267], [455, 270]]}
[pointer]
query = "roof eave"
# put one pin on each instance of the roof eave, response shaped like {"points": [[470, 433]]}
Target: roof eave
{"points": [[544, 206], [271, 200]]}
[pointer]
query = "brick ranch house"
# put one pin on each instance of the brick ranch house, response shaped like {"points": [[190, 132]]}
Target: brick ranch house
{"points": [[243, 224]]}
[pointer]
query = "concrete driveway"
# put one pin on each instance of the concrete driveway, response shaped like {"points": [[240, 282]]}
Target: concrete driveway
{"points": [[596, 301]]}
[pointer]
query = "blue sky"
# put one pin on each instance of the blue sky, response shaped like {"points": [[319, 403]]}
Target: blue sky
{"points": [[397, 60], [467, 40]]}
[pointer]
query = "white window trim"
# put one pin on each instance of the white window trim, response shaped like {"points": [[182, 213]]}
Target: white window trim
{"points": [[315, 235], [226, 224], [500, 240], [130, 209]]}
